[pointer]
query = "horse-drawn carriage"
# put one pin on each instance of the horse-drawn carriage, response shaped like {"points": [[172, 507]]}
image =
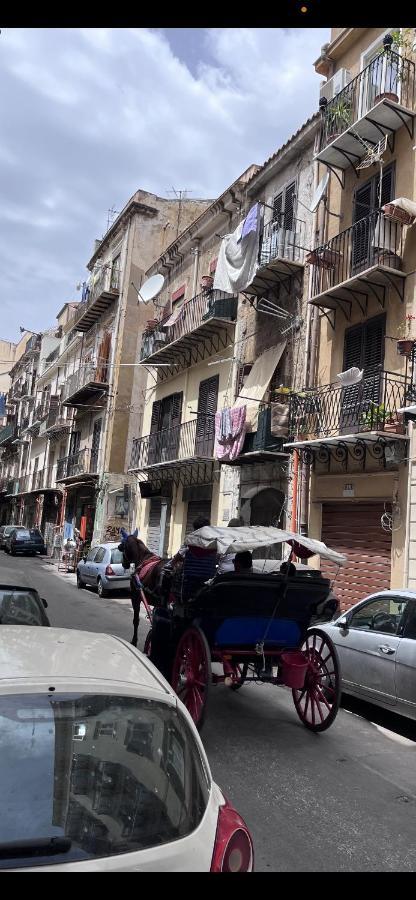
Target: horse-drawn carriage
{"points": [[257, 626]]}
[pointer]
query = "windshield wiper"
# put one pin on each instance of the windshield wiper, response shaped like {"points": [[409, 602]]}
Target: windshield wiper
{"points": [[35, 847]]}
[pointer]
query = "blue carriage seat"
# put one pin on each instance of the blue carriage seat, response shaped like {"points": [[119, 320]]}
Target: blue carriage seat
{"points": [[199, 565]]}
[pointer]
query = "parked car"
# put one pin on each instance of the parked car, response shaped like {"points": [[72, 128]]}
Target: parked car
{"points": [[102, 568], [376, 643], [102, 768], [25, 540], [21, 606], [5, 532]]}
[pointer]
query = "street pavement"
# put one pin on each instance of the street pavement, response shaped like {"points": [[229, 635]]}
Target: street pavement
{"points": [[342, 801]]}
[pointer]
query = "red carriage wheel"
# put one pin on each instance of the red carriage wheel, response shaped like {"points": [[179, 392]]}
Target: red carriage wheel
{"points": [[240, 674], [191, 672], [318, 701], [147, 649]]}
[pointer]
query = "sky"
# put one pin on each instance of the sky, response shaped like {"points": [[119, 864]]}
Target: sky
{"points": [[89, 116]]}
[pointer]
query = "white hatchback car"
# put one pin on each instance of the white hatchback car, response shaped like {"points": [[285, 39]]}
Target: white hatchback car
{"points": [[101, 766]]}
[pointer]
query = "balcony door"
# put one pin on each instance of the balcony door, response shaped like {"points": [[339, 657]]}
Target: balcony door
{"points": [[364, 348], [205, 420], [165, 428], [379, 75], [95, 445], [366, 224]]}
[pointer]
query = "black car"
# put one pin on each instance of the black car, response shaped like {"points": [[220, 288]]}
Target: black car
{"points": [[21, 606], [25, 540], [5, 532]]}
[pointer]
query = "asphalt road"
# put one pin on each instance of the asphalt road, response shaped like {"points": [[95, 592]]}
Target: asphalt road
{"points": [[341, 801]]}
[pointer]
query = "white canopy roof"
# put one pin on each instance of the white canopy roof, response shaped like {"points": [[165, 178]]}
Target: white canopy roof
{"points": [[251, 537]]}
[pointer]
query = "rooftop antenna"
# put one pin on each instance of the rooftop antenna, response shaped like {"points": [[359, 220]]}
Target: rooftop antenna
{"points": [[111, 216], [180, 196]]}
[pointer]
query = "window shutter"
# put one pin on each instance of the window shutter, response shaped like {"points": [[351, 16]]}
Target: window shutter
{"points": [[154, 424], [278, 207], [154, 428], [373, 344], [175, 425], [352, 347], [289, 211], [205, 425]]}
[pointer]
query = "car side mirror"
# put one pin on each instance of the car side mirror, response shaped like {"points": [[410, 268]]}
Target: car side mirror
{"points": [[343, 623], [44, 602]]}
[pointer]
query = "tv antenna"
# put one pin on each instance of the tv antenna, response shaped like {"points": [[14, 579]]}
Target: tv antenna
{"points": [[111, 216], [180, 195]]}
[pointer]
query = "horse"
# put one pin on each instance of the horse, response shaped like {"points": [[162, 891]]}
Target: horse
{"points": [[149, 569]]}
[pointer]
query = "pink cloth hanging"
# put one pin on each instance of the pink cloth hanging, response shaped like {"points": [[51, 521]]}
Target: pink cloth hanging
{"points": [[230, 448]]}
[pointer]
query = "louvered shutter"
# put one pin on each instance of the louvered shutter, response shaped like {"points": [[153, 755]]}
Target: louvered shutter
{"points": [[196, 508], [174, 433], [154, 439], [278, 208], [364, 348], [386, 187], [361, 227], [205, 424], [289, 209]]}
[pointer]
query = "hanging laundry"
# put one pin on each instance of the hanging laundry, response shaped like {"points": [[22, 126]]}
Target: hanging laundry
{"points": [[279, 425], [225, 425], [2, 404], [251, 220], [231, 448], [237, 259]]}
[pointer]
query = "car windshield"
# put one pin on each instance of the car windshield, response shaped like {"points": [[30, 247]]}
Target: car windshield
{"points": [[19, 607], [22, 534], [10, 528], [90, 775], [116, 556]]}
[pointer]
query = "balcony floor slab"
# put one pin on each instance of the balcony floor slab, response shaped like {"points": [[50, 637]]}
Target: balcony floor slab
{"points": [[365, 282], [347, 149]]}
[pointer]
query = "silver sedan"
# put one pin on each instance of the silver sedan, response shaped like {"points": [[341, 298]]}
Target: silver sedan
{"points": [[376, 643]]}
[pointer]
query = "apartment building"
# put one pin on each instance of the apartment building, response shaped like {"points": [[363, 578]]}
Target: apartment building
{"points": [[208, 349], [361, 285], [99, 374]]}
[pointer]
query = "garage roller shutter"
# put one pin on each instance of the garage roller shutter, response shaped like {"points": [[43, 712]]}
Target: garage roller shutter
{"points": [[356, 531], [153, 528], [196, 508]]}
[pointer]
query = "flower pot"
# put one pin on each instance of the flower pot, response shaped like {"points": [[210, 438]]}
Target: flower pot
{"points": [[398, 214], [405, 346], [394, 428], [324, 259], [207, 282], [387, 95], [389, 259]]}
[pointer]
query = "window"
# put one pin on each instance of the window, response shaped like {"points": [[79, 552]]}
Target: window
{"points": [[382, 614], [122, 505], [408, 628], [92, 554], [284, 206], [153, 790], [116, 556], [100, 555], [115, 273]]}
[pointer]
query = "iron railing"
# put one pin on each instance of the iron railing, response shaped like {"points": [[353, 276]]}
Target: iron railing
{"points": [[12, 486], [80, 463], [191, 440], [7, 432], [387, 76], [370, 405], [194, 313], [282, 238], [372, 241], [24, 422], [108, 282], [88, 373]]}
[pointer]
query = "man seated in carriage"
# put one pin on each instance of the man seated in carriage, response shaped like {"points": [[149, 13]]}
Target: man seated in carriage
{"points": [[243, 563], [192, 566]]}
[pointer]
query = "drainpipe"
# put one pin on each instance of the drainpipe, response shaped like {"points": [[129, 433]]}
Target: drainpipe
{"points": [[410, 431], [195, 250], [311, 337]]}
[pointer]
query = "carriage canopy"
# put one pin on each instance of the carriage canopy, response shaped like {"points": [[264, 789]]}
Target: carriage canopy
{"points": [[252, 537]]}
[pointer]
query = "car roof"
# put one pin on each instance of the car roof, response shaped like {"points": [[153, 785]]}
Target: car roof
{"points": [[30, 654], [109, 545], [400, 592]]}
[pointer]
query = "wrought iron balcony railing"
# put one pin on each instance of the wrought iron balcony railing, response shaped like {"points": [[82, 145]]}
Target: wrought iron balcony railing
{"points": [[8, 432], [193, 315], [282, 238], [333, 410], [189, 441], [82, 462], [388, 76], [372, 241], [90, 308], [90, 373]]}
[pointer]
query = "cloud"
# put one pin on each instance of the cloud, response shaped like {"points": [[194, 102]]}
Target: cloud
{"points": [[91, 115]]}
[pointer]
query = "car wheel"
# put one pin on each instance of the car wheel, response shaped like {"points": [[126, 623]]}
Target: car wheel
{"points": [[80, 583], [12, 552], [101, 589]]}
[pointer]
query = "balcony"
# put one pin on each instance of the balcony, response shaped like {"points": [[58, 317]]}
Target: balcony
{"points": [[12, 487], [85, 385], [364, 260], [8, 433], [83, 462], [363, 415], [98, 298], [202, 327], [281, 256], [261, 446], [376, 103], [175, 448], [55, 423]]}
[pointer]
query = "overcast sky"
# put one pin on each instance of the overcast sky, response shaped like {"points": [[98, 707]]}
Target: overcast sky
{"points": [[88, 116]]}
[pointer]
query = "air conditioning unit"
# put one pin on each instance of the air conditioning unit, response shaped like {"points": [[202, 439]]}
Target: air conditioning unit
{"points": [[334, 85]]}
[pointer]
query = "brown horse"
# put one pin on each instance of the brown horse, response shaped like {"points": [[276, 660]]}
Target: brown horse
{"points": [[150, 575]]}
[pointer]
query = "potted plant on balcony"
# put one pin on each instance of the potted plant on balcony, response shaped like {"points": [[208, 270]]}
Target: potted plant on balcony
{"points": [[393, 423], [402, 38], [338, 117], [207, 282], [323, 257], [406, 342], [374, 417]]}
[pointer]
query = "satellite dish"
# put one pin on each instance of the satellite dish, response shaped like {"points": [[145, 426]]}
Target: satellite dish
{"points": [[319, 193], [150, 288]]}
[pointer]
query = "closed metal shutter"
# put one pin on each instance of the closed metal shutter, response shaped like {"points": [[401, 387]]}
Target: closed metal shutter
{"points": [[356, 531], [197, 508], [153, 528]]}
